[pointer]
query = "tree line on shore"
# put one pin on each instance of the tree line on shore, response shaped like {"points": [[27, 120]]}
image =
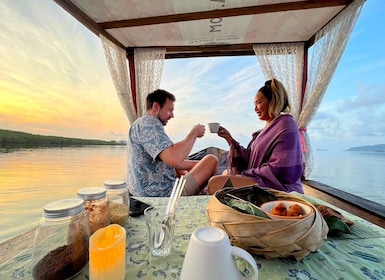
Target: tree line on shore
{"points": [[22, 139]]}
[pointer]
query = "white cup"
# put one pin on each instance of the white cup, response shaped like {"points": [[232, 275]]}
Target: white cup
{"points": [[211, 256], [213, 126]]}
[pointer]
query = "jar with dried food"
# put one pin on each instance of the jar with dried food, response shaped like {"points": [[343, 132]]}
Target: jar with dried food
{"points": [[117, 193], [60, 248], [97, 205]]}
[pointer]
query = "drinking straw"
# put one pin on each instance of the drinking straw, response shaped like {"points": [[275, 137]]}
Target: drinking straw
{"points": [[180, 187], [173, 192], [171, 207], [174, 197]]}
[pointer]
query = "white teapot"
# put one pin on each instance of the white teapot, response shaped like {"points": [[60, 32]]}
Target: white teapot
{"points": [[211, 256]]}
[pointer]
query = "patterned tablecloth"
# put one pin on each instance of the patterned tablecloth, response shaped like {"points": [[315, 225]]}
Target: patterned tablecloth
{"points": [[360, 255]]}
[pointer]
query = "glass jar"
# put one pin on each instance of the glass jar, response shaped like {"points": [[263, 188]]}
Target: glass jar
{"points": [[97, 205], [60, 248], [118, 196]]}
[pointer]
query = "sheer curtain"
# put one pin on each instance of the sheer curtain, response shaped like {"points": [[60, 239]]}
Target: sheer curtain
{"points": [[285, 63], [330, 43], [148, 66], [118, 66], [148, 70]]}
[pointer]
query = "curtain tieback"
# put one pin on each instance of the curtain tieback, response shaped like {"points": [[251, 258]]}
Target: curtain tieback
{"points": [[302, 139]]}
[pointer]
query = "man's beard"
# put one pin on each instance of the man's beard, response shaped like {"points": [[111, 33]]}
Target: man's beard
{"points": [[163, 122]]}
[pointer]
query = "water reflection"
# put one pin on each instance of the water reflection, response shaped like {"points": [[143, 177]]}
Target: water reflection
{"points": [[30, 178]]}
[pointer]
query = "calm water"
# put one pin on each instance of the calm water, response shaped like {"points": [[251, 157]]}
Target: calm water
{"points": [[31, 178], [359, 173]]}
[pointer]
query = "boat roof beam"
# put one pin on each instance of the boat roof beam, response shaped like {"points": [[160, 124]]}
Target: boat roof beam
{"points": [[106, 28], [242, 11]]}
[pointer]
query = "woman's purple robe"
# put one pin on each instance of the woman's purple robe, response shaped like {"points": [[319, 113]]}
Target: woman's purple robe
{"points": [[273, 159]]}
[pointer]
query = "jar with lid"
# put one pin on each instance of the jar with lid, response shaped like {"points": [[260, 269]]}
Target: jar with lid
{"points": [[60, 248], [118, 196], [97, 205]]}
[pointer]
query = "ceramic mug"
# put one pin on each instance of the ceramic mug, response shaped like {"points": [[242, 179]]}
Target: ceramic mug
{"points": [[214, 127], [211, 256]]}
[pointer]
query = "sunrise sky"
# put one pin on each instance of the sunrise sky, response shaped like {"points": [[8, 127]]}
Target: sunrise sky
{"points": [[54, 80]]}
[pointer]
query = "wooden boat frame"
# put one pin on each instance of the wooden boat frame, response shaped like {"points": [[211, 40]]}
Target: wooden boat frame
{"points": [[368, 210]]}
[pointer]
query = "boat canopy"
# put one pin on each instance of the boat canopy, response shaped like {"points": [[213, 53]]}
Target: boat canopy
{"points": [[299, 42]]}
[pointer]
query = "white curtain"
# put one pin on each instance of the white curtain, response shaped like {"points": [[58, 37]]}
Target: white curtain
{"points": [[148, 70], [120, 74], [148, 73], [330, 43], [285, 63]]}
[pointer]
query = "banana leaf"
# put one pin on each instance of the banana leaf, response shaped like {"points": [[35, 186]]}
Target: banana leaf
{"points": [[253, 194], [245, 207], [337, 226]]}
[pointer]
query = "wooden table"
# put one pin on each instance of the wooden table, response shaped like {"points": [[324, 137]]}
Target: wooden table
{"points": [[360, 255]]}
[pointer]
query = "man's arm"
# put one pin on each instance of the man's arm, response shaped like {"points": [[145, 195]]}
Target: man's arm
{"points": [[176, 154]]}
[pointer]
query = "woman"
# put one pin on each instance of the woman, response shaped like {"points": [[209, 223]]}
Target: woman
{"points": [[273, 158]]}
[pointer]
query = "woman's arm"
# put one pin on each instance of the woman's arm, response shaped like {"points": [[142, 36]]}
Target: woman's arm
{"points": [[224, 133]]}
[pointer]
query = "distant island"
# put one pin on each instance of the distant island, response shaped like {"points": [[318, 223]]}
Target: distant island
{"points": [[369, 148], [9, 138]]}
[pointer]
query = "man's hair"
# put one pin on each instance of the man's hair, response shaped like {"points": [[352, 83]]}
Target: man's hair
{"points": [[160, 96], [276, 93]]}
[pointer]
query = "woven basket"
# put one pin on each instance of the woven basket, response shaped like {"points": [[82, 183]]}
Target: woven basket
{"points": [[270, 238]]}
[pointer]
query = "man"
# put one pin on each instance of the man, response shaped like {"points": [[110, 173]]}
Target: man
{"points": [[154, 161]]}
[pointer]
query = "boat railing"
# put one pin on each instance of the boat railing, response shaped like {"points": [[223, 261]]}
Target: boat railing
{"points": [[364, 208]]}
